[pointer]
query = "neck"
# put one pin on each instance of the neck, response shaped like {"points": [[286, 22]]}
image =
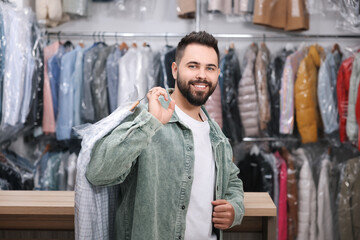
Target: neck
{"points": [[185, 106]]}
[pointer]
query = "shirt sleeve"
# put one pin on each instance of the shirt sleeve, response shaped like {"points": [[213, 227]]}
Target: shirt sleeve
{"points": [[114, 155]]}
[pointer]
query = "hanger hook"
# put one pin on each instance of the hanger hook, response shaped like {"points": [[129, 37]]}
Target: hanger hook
{"points": [[116, 40], [58, 36], [166, 38]]}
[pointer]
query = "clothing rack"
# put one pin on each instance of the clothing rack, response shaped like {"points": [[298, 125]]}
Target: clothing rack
{"points": [[269, 139], [166, 35]]}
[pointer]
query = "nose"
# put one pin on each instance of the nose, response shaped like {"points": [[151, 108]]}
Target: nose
{"points": [[201, 74]]}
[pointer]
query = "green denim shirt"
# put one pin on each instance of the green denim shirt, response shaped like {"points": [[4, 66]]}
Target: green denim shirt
{"points": [[154, 165]]}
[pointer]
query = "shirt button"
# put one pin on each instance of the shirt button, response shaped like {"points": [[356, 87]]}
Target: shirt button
{"points": [[183, 207], [189, 148], [189, 177], [179, 237]]}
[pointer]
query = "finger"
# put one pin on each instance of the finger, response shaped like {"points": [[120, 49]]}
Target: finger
{"points": [[157, 89], [219, 202], [221, 214], [171, 107], [221, 208], [155, 94], [219, 220]]}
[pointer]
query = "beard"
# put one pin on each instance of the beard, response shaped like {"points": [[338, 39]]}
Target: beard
{"points": [[195, 98]]}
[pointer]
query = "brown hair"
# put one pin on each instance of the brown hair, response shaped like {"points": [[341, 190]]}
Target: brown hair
{"points": [[202, 38]]}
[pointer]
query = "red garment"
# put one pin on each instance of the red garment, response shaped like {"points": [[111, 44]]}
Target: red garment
{"points": [[342, 89], [282, 211], [48, 124]]}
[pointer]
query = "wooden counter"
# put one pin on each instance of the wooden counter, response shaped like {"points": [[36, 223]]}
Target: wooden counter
{"points": [[54, 210]]}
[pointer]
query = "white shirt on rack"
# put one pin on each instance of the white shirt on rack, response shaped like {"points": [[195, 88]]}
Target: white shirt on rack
{"points": [[199, 214]]}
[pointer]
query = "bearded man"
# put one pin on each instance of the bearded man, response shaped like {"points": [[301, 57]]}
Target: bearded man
{"points": [[172, 161]]}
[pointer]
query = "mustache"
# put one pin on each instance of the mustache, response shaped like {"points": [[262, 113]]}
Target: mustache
{"points": [[200, 81]]}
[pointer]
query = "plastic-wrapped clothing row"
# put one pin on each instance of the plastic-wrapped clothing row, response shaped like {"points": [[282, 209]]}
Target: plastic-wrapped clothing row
{"points": [[288, 15], [314, 188], [16, 173], [20, 68], [95, 80], [56, 171]]}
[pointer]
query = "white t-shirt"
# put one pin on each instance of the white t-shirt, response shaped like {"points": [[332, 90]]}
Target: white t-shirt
{"points": [[199, 213]]}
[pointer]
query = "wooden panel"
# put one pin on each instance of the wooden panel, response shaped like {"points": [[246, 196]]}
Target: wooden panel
{"points": [[249, 224], [40, 222], [37, 202], [259, 204]]}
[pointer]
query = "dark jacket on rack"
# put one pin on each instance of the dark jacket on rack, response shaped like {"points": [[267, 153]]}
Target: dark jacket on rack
{"points": [[306, 106], [274, 86], [87, 101], [257, 174], [349, 198], [230, 77], [342, 89], [99, 84], [247, 99]]}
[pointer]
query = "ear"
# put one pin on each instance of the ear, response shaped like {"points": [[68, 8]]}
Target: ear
{"points": [[219, 71], [174, 69]]}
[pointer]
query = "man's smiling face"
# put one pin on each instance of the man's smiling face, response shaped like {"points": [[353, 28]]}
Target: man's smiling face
{"points": [[197, 73]]}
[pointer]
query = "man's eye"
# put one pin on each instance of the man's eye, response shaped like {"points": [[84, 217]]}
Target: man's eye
{"points": [[210, 69], [192, 66]]}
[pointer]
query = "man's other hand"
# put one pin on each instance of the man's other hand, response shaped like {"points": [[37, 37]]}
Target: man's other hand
{"points": [[223, 214]]}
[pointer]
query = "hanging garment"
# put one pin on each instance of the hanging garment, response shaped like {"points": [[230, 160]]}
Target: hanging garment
{"points": [[78, 7], [271, 159], [270, 13], [71, 172], [350, 13], [112, 75], [223, 6], [297, 16], [324, 213], [213, 106], [261, 78], [37, 102], [54, 66], [163, 80], [247, 98], [186, 9], [326, 92], [144, 71], [48, 123], [127, 91], [158, 73], [19, 65], [50, 12], [94, 215], [342, 89], [169, 59], [349, 198], [282, 217], [87, 101], [292, 195], [98, 84], [351, 124], [307, 115], [307, 199], [287, 104], [64, 121], [2, 58], [78, 84], [229, 80], [274, 86]]}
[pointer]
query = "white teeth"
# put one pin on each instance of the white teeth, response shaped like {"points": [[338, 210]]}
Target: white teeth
{"points": [[200, 86]]}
